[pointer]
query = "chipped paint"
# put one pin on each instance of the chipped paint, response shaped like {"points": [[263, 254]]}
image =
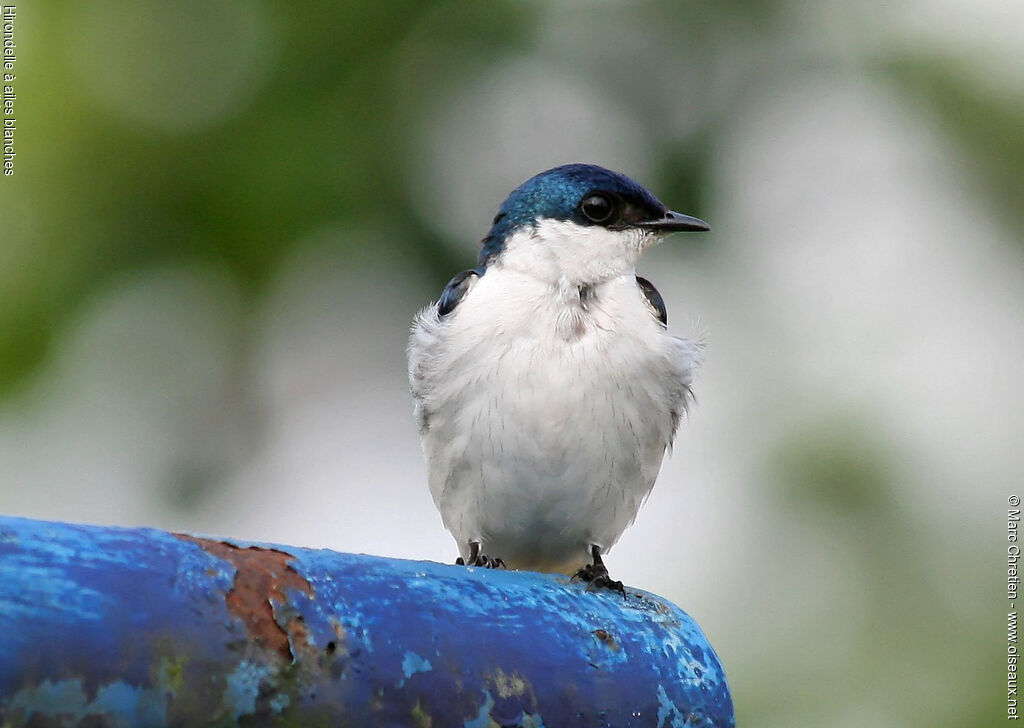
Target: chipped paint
{"points": [[482, 719], [116, 702], [606, 639], [261, 577], [243, 687], [279, 702], [68, 694], [509, 685], [193, 630], [420, 717], [413, 663], [170, 674]]}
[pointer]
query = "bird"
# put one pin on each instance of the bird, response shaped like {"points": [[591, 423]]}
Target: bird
{"points": [[547, 387]]}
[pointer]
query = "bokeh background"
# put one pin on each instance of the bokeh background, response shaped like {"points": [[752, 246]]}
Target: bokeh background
{"points": [[224, 216]]}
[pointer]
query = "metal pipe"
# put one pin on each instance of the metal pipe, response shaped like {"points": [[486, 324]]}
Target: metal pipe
{"points": [[139, 627]]}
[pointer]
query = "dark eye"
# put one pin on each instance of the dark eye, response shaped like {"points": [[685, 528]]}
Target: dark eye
{"points": [[597, 208]]}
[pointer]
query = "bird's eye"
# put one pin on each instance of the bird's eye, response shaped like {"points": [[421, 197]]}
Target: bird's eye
{"points": [[597, 208]]}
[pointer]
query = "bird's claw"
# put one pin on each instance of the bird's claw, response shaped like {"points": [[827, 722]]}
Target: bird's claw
{"points": [[596, 576], [482, 560], [605, 582]]}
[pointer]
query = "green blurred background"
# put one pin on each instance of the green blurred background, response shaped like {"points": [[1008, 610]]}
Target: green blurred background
{"points": [[224, 215]]}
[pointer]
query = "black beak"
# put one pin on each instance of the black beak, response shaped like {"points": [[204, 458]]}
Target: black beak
{"points": [[675, 222]]}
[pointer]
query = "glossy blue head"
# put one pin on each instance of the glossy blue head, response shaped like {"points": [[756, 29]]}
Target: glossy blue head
{"points": [[588, 196]]}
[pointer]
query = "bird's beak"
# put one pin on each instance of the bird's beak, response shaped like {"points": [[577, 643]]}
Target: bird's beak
{"points": [[675, 222]]}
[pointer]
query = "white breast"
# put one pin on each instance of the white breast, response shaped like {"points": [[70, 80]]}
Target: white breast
{"points": [[546, 415]]}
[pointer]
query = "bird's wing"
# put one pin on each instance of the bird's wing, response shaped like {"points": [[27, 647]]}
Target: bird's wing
{"points": [[425, 340], [685, 356], [654, 300], [455, 290]]}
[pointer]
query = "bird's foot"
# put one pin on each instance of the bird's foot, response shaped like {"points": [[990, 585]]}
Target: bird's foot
{"points": [[478, 559], [482, 560], [596, 576]]}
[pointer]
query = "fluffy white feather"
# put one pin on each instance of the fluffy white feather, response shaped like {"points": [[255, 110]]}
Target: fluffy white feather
{"points": [[548, 396]]}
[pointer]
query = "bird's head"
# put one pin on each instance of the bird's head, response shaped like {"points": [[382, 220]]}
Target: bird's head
{"points": [[580, 223]]}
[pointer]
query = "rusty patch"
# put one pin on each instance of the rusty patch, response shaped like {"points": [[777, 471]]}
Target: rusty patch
{"points": [[607, 639], [261, 575], [339, 632]]}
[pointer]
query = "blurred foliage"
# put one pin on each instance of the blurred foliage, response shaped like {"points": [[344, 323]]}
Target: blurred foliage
{"points": [[320, 132], [987, 126], [838, 475], [222, 135], [96, 194], [836, 465]]}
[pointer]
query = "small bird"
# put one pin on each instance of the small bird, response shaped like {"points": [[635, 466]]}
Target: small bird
{"points": [[547, 386]]}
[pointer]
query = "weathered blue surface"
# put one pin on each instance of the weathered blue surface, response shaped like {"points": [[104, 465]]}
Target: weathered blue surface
{"points": [[117, 627]]}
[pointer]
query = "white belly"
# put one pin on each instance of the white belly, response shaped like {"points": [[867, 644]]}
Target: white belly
{"points": [[546, 421]]}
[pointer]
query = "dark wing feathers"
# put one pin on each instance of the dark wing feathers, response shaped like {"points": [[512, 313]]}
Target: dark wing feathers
{"points": [[455, 290], [457, 287], [654, 299]]}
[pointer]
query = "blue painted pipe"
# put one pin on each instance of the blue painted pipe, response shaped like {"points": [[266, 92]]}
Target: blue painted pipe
{"points": [[137, 627]]}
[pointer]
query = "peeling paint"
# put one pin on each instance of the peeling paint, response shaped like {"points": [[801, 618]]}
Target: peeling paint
{"points": [[243, 687], [197, 630], [118, 702], [170, 674], [420, 717], [509, 685], [667, 709], [261, 577], [413, 663], [279, 702], [483, 717], [42, 698], [606, 639]]}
